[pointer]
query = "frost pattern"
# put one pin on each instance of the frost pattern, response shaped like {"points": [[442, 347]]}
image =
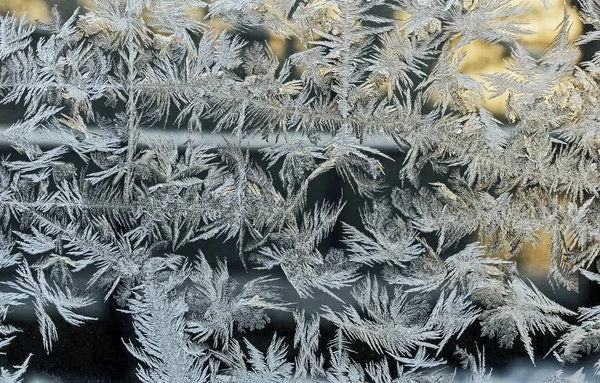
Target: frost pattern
{"points": [[406, 283]]}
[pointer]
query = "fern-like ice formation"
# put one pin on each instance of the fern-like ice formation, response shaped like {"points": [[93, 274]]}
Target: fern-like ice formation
{"points": [[405, 283]]}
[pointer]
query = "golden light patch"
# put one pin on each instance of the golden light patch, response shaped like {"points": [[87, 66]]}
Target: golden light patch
{"points": [[482, 58], [533, 258], [277, 45], [86, 3], [32, 9], [545, 24]]}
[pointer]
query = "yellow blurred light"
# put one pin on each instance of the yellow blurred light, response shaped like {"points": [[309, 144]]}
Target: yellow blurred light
{"points": [[32, 9], [533, 258], [86, 3], [481, 58], [545, 23]]}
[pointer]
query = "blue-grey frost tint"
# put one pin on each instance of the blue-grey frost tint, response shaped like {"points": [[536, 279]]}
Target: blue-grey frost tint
{"points": [[346, 213]]}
